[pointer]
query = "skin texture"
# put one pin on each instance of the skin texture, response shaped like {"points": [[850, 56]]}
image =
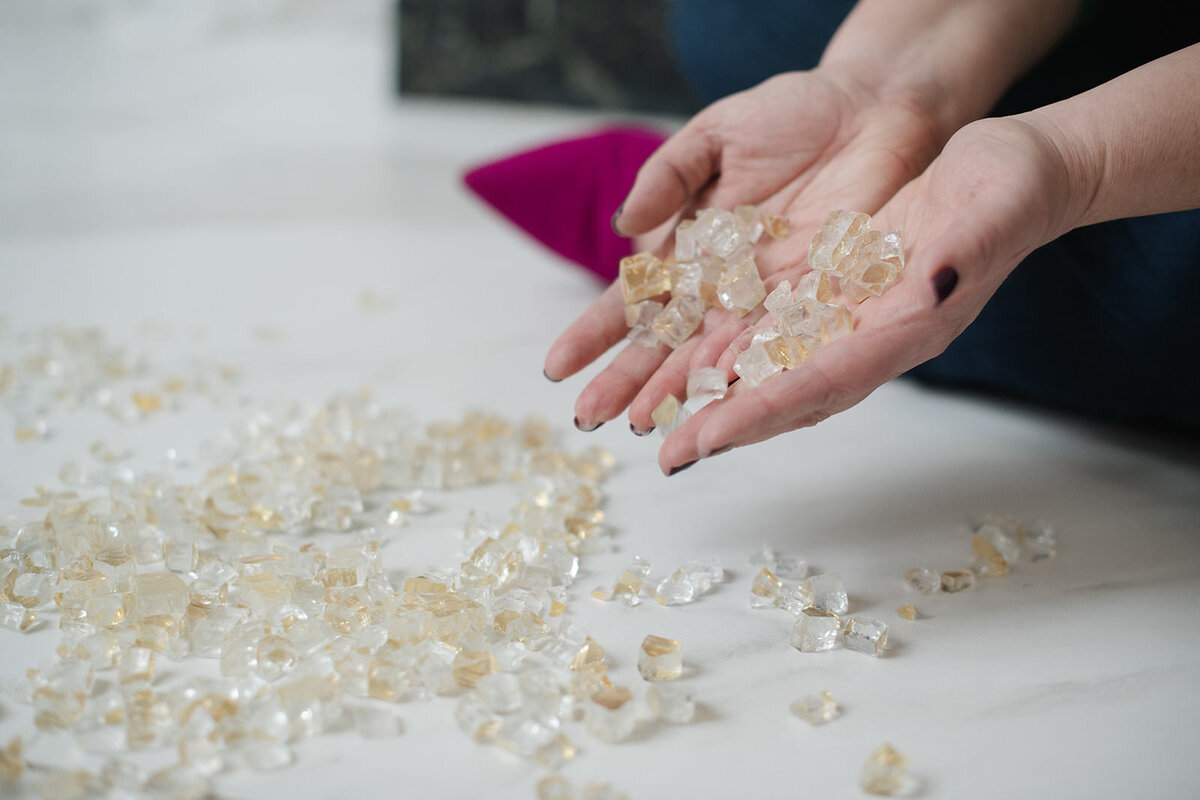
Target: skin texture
{"points": [[849, 135]]}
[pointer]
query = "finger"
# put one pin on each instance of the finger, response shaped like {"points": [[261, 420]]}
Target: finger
{"points": [[671, 377], [669, 178], [835, 378], [588, 337], [610, 392], [679, 449], [757, 320]]}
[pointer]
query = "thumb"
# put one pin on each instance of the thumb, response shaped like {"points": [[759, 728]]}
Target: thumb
{"points": [[669, 178]]}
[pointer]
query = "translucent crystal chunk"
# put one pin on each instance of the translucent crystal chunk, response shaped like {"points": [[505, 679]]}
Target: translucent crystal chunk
{"points": [[923, 580], [833, 322], [794, 598], [690, 581], [908, 611], [788, 352], [829, 594], [687, 248], [476, 720], [157, 593], [865, 635], [643, 276], [686, 277], [671, 702], [471, 665], [611, 714], [660, 659], [814, 285], [627, 587], [718, 233], [765, 589], [754, 365], [706, 383], [1041, 540], [815, 630], [669, 415], [1005, 543], [765, 557], [779, 298], [834, 240], [740, 288], [676, 589], [32, 589], [678, 320], [751, 222], [885, 773], [179, 782], [137, 665], [640, 319], [791, 567], [500, 692], [957, 580], [16, 617], [815, 709], [180, 555], [872, 266], [988, 560], [777, 227], [708, 568]]}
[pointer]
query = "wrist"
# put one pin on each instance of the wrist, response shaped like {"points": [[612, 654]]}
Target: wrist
{"points": [[1080, 170]]}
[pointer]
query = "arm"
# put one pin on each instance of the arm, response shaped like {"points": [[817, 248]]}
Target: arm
{"points": [[955, 56], [1132, 145]]}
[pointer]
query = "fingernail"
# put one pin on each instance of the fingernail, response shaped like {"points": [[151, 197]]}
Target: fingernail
{"points": [[552, 380], [681, 467], [636, 432], [613, 221], [944, 281], [586, 430], [720, 450]]}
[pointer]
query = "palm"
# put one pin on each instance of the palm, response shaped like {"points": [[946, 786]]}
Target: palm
{"points": [[802, 144], [798, 145]]}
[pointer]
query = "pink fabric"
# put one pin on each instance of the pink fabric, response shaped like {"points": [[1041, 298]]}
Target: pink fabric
{"points": [[564, 194]]}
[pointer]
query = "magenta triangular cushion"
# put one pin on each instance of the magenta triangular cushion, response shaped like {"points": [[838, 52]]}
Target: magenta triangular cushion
{"points": [[563, 194]]}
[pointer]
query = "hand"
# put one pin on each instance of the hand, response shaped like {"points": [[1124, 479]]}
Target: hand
{"points": [[1000, 188], [798, 145]]}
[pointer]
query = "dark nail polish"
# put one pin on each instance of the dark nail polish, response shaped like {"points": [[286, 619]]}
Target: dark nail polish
{"points": [[720, 450], [944, 281], [636, 432], [587, 430], [613, 221], [552, 380], [681, 467]]}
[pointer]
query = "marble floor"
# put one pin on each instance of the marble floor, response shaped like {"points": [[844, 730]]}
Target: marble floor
{"points": [[245, 172]]}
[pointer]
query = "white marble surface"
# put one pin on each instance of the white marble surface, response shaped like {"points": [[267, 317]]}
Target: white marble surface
{"points": [[224, 177]]}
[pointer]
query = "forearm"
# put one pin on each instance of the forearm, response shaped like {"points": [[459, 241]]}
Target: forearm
{"points": [[955, 57], [1131, 145]]}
